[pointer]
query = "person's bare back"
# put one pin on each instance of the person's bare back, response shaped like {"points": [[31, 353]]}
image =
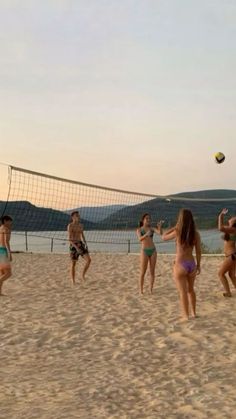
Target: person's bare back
{"points": [[184, 251]]}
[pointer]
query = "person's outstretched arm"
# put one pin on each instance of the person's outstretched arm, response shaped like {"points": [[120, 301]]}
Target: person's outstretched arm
{"points": [[169, 234], [221, 220], [223, 228], [159, 228]]}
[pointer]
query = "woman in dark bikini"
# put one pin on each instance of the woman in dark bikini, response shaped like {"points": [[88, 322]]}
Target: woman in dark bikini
{"points": [[185, 268], [148, 250], [229, 264]]}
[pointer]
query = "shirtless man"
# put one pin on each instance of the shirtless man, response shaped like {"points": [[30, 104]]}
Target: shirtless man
{"points": [[78, 245], [5, 251]]}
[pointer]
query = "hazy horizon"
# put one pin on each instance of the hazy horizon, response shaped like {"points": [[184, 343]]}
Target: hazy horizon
{"points": [[131, 95]]}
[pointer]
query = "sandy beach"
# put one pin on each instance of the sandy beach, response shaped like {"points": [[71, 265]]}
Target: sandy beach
{"points": [[99, 350]]}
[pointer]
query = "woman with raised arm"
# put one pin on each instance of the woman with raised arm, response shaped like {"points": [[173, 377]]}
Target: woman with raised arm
{"points": [[145, 234], [185, 268], [229, 264]]}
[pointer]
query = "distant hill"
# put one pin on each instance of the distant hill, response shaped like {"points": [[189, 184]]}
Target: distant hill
{"points": [[96, 214], [209, 194], [205, 212], [28, 217]]}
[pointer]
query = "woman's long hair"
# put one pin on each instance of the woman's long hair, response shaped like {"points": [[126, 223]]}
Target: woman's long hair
{"points": [[142, 219], [186, 227]]}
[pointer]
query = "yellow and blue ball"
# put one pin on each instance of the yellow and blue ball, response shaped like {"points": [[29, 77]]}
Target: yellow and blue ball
{"points": [[219, 157]]}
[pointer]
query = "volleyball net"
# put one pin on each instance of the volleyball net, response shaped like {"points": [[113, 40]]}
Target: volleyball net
{"points": [[40, 206]]}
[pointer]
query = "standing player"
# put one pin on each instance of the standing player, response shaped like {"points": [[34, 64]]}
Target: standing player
{"points": [[145, 234], [5, 251], [78, 245], [185, 268], [229, 264]]}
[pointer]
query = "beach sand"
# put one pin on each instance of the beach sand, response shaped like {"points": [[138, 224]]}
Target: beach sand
{"points": [[100, 350]]}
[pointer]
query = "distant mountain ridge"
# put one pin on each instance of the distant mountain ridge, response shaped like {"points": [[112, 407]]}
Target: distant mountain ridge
{"points": [[209, 194], [205, 212], [28, 217], [96, 214]]}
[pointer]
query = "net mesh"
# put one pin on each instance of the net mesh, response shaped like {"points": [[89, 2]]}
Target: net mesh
{"points": [[40, 206]]}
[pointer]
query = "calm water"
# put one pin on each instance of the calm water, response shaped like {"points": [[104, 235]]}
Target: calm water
{"points": [[101, 242]]}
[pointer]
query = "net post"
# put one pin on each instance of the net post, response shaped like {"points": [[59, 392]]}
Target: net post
{"points": [[128, 245], [26, 241], [52, 240]]}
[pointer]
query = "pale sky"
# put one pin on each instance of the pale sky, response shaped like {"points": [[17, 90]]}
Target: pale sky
{"points": [[130, 94]]}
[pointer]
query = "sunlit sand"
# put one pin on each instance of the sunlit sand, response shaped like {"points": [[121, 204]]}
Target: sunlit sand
{"points": [[99, 350]]}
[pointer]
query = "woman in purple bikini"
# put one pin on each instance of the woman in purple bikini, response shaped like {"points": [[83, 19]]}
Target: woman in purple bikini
{"points": [[185, 268]]}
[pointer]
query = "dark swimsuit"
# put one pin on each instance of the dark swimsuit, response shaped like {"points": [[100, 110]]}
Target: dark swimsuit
{"points": [[231, 237], [74, 254], [149, 251]]}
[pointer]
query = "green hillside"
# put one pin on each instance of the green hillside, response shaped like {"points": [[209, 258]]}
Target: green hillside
{"points": [[205, 212]]}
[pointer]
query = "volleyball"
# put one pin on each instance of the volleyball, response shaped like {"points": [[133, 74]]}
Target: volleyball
{"points": [[219, 157]]}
